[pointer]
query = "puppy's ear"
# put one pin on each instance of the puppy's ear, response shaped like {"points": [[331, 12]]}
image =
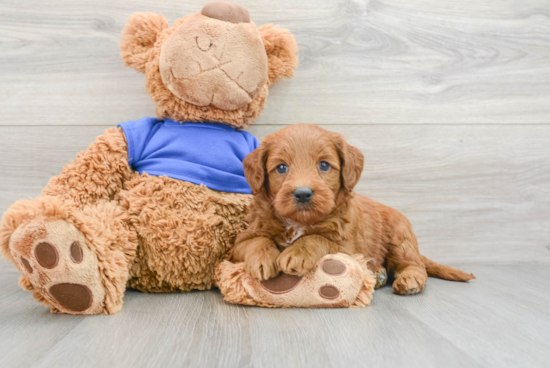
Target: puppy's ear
{"points": [[281, 49], [351, 161], [254, 168], [139, 36]]}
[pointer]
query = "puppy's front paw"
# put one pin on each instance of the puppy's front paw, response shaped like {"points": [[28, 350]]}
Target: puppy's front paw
{"points": [[296, 261], [261, 263]]}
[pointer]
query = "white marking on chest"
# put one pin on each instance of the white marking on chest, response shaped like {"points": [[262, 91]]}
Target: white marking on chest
{"points": [[293, 232]]}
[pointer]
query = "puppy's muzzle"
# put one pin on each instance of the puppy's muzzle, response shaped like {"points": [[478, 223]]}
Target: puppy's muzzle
{"points": [[303, 195]]}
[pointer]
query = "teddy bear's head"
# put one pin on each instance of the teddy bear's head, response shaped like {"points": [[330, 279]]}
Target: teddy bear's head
{"points": [[214, 65]]}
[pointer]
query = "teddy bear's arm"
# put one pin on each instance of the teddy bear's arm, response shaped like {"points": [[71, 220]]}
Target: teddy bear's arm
{"points": [[97, 173]]}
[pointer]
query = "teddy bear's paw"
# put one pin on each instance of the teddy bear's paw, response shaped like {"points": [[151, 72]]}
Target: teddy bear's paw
{"points": [[335, 282], [55, 259]]}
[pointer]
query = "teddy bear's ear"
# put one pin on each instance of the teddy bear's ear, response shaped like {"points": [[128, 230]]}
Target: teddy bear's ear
{"points": [[281, 50], [139, 36]]}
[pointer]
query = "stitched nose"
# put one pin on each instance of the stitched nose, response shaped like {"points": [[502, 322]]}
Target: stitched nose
{"points": [[303, 194], [226, 11]]}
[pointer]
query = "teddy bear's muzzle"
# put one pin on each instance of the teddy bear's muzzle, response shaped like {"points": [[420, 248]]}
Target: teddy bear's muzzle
{"points": [[208, 62]]}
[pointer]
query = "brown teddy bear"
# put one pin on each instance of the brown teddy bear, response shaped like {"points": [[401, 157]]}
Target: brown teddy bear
{"points": [[155, 204]]}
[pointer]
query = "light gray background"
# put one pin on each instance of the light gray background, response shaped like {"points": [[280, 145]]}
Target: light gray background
{"points": [[448, 100]]}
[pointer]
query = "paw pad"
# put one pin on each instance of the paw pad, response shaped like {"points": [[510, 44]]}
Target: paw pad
{"points": [[27, 264], [281, 284], [74, 297], [334, 267], [76, 252], [329, 292], [46, 255]]}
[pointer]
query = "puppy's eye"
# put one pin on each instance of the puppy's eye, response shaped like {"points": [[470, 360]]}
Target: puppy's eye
{"points": [[324, 166], [282, 169]]}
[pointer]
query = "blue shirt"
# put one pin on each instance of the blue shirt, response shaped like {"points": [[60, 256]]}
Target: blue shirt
{"points": [[202, 153]]}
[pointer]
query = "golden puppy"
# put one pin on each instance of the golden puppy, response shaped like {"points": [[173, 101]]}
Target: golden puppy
{"points": [[304, 207]]}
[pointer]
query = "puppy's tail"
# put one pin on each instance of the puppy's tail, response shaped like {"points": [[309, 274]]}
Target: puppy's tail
{"points": [[445, 272]]}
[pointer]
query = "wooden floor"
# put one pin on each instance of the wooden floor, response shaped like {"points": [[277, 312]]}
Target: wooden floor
{"points": [[448, 100], [500, 320]]}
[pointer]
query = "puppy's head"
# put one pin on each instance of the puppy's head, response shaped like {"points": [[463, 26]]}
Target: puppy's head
{"points": [[303, 171]]}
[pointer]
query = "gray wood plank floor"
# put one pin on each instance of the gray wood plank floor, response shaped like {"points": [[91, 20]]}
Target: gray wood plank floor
{"points": [[499, 320], [449, 102]]}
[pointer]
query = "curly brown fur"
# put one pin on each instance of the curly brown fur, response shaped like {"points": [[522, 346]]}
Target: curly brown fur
{"points": [[182, 237], [335, 220], [95, 174]]}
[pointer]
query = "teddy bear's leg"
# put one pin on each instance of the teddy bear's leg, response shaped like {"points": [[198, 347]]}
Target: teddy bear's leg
{"points": [[97, 174], [73, 260], [72, 246]]}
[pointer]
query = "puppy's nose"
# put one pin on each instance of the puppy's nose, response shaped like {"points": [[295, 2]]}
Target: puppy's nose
{"points": [[303, 194]]}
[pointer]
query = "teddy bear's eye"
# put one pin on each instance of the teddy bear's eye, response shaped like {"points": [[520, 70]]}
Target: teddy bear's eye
{"points": [[282, 169], [324, 166], [203, 42]]}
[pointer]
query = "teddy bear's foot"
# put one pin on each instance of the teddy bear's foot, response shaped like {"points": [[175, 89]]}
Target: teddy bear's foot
{"points": [[74, 260], [333, 283], [58, 266], [337, 281]]}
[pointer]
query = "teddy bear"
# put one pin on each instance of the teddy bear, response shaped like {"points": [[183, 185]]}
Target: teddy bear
{"points": [[155, 204]]}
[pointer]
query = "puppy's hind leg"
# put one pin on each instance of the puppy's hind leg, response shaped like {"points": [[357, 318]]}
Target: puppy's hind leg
{"points": [[379, 272], [409, 271]]}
